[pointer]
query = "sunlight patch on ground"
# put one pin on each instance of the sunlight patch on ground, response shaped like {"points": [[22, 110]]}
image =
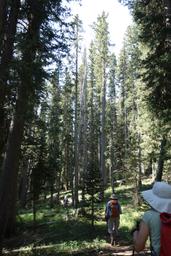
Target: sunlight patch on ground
{"points": [[73, 246]]}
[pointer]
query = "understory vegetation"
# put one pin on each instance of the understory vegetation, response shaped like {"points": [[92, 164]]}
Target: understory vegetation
{"points": [[68, 231]]}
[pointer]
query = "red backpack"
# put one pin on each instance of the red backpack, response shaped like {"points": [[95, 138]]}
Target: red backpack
{"points": [[165, 234], [114, 208]]}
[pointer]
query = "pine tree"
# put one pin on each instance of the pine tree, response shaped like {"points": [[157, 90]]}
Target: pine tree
{"points": [[77, 24], [112, 123], [54, 138], [154, 36], [9, 12], [34, 49], [67, 106], [92, 178], [128, 80], [83, 123], [101, 44], [151, 22]]}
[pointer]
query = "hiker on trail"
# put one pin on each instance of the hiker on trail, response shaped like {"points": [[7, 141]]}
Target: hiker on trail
{"points": [[112, 216], [156, 222]]}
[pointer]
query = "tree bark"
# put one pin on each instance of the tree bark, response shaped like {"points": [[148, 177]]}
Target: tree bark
{"points": [[82, 146], [76, 153], [103, 135], [139, 161], [8, 188], [23, 186], [6, 48], [161, 159], [8, 185]]}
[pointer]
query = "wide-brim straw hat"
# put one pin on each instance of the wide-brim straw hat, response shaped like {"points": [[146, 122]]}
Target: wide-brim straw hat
{"points": [[159, 197]]}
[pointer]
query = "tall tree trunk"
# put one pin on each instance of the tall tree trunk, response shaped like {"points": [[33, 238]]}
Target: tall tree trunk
{"points": [[161, 159], [113, 157], [58, 186], [6, 49], [76, 153], [8, 188], [82, 147], [8, 185], [139, 161], [124, 109], [113, 121], [92, 209], [23, 186], [103, 137]]}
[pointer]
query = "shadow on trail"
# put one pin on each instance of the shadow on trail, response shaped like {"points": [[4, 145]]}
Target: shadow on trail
{"points": [[46, 238]]}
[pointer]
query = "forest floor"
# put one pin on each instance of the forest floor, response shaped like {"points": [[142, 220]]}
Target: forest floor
{"points": [[119, 249], [59, 231]]}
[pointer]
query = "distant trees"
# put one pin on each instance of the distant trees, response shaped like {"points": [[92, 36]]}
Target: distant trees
{"points": [[54, 138], [130, 107], [90, 122], [153, 20], [101, 65]]}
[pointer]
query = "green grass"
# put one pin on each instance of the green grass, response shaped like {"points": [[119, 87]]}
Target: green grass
{"points": [[59, 232]]}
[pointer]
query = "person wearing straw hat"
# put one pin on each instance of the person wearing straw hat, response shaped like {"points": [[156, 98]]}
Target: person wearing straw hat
{"points": [[112, 216], [159, 199]]}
